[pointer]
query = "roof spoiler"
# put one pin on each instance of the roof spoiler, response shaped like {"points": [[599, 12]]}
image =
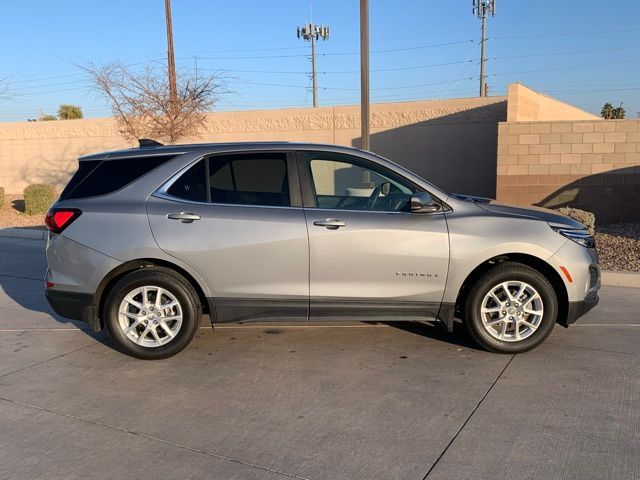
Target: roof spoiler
{"points": [[147, 143]]}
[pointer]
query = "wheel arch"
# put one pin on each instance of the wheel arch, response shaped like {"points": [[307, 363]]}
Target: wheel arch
{"points": [[529, 260], [132, 265]]}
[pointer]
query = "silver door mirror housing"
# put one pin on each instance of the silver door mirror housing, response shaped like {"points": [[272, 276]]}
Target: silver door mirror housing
{"points": [[422, 202]]}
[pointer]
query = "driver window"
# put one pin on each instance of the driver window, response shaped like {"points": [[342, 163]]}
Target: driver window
{"points": [[340, 184]]}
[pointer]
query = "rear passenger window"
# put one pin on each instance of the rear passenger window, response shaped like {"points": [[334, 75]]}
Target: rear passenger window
{"points": [[253, 179], [246, 179], [192, 185], [101, 177]]}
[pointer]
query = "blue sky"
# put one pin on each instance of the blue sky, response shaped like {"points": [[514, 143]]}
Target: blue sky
{"points": [[584, 52]]}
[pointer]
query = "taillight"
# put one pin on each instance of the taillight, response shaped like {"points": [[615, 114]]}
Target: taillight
{"points": [[57, 219]]}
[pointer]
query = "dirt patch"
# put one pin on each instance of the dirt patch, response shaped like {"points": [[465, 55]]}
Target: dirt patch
{"points": [[12, 214]]}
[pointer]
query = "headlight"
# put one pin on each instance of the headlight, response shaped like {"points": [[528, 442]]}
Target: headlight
{"points": [[583, 237]]}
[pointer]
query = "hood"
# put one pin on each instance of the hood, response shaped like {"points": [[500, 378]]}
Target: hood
{"points": [[554, 219]]}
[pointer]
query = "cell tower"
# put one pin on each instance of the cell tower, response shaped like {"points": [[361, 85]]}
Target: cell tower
{"points": [[312, 33], [482, 9]]}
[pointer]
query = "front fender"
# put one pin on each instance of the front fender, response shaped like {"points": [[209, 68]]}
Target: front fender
{"points": [[476, 240]]}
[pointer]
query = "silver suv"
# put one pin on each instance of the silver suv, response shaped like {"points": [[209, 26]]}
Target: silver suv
{"points": [[145, 241]]}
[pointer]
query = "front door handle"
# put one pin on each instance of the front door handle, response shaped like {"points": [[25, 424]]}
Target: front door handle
{"points": [[330, 223], [184, 217]]}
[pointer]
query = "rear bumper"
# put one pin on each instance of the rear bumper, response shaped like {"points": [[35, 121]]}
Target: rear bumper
{"points": [[75, 306], [578, 309]]}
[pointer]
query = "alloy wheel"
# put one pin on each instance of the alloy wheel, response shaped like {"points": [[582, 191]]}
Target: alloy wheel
{"points": [[150, 316], [512, 311]]}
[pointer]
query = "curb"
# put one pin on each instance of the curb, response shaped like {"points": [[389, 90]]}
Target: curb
{"points": [[27, 233], [611, 278]]}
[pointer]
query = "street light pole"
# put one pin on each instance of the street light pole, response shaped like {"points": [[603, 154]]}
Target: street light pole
{"points": [[364, 74]]}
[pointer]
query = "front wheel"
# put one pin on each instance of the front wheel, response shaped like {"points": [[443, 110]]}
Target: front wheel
{"points": [[512, 308], [152, 313]]}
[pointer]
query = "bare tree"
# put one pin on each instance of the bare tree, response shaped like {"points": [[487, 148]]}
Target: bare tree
{"points": [[141, 101]]}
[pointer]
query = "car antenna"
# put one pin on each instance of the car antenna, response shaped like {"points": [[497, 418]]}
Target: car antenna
{"points": [[148, 143]]}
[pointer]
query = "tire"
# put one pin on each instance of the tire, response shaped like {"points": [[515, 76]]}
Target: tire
{"points": [[511, 320], [158, 332]]}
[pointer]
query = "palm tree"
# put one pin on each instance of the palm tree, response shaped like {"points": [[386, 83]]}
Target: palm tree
{"points": [[619, 113], [607, 111], [610, 113]]}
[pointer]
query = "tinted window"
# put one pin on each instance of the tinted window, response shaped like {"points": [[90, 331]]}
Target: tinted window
{"points": [[192, 185], [253, 179], [84, 169], [341, 184], [101, 177]]}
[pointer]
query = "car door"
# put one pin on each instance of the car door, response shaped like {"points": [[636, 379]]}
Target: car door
{"points": [[237, 219], [369, 255]]}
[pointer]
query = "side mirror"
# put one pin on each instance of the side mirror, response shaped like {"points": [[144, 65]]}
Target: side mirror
{"points": [[423, 202]]}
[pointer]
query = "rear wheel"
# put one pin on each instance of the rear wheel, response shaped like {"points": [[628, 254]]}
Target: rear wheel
{"points": [[152, 313], [512, 308]]}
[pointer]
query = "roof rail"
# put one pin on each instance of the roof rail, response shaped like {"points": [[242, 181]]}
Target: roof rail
{"points": [[147, 143]]}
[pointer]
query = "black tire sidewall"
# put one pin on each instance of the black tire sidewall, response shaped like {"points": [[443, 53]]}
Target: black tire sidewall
{"points": [[180, 289], [502, 274]]}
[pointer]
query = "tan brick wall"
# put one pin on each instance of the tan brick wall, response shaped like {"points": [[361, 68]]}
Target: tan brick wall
{"points": [[437, 139], [593, 165], [528, 105]]}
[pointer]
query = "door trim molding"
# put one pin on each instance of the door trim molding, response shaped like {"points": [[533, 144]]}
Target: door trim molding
{"points": [[374, 310], [241, 310]]}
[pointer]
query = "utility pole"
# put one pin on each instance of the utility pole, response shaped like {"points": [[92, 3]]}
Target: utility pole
{"points": [[482, 9], [364, 75], [313, 33], [171, 61]]}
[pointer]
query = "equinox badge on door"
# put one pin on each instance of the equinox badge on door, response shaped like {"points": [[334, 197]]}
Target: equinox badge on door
{"points": [[416, 275]]}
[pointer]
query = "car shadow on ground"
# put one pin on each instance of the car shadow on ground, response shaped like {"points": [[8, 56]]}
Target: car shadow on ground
{"points": [[459, 337], [28, 293]]}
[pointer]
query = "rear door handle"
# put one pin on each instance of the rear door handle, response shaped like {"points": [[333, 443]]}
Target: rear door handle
{"points": [[330, 223], [184, 217]]}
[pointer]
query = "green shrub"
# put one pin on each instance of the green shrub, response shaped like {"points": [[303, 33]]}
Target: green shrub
{"points": [[587, 218], [38, 198], [1, 197]]}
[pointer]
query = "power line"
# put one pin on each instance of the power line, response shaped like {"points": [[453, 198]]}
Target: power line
{"points": [[576, 67], [81, 78], [288, 85], [332, 72], [551, 54], [566, 34], [416, 67], [336, 54], [536, 35]]}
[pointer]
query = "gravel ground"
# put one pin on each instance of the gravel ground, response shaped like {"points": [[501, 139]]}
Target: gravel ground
{"points": [[619, 246], [12, 214]]}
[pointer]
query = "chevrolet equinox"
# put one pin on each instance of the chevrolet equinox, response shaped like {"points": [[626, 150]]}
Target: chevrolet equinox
{"points": [[144, 241]]}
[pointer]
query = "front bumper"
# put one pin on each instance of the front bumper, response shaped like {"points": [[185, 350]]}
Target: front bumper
{"points": [[578, 309], [74, 306]]}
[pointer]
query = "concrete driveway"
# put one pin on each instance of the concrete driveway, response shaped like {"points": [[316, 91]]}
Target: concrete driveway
{"points": [[352, 401]]}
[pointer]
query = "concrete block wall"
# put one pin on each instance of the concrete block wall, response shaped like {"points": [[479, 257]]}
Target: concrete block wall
{"points": [[593, 165], [437, 139], [527, 105]]}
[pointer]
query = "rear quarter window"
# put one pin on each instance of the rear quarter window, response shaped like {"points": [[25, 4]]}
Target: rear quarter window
{"points": [[101, 177]]}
